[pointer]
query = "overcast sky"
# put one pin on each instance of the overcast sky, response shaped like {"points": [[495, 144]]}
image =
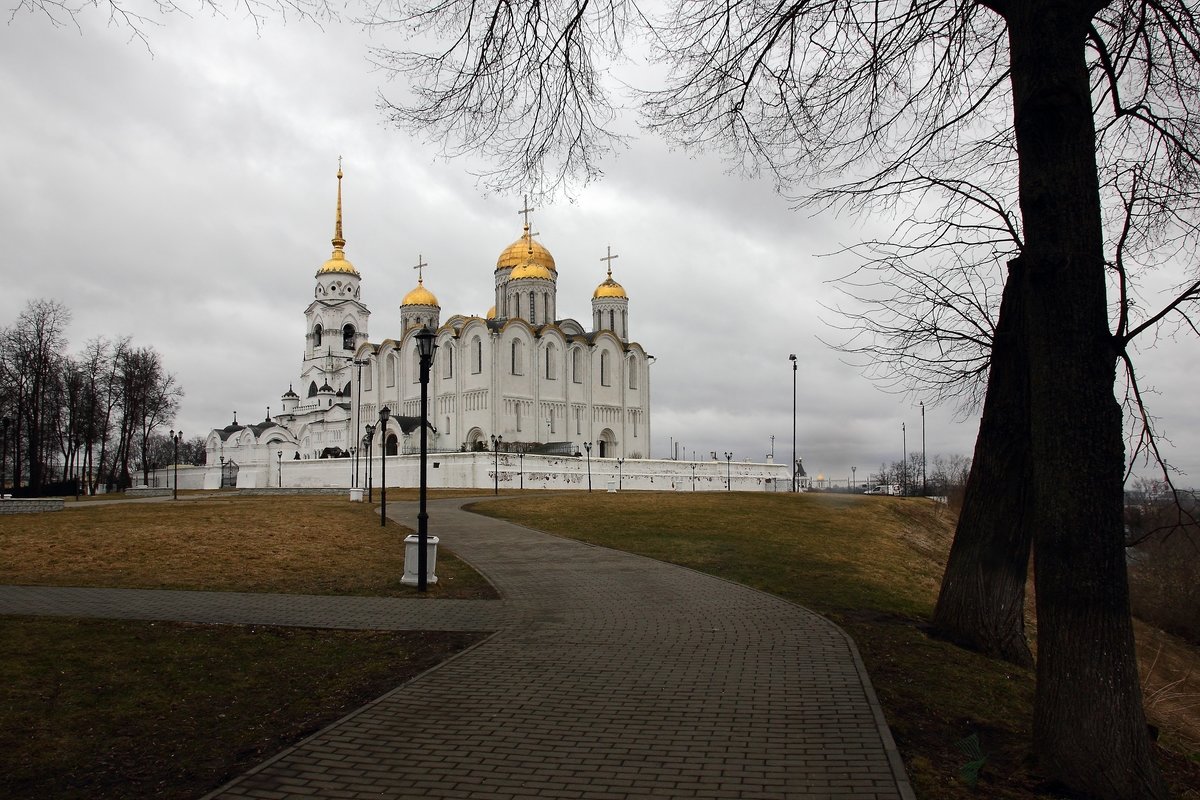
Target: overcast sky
{"points": [[186, 198]]}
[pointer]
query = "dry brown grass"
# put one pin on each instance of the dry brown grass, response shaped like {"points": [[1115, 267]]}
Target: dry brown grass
{"points": [[286, 544]]}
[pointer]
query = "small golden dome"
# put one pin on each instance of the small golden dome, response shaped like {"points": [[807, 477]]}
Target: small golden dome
{"points": [[491, 313], [609, 288], [337, 263], [420, 296], [529, 268], [524, 249]]}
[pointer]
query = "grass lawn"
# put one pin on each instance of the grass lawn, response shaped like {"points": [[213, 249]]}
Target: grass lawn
{"points": [[123, 709], [103, 709], [292, 544], [873, 565]]}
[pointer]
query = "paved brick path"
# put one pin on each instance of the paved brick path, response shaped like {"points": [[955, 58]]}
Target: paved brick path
{"points": [[611, 676]]}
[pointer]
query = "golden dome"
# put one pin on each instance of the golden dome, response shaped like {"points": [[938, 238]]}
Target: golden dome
{"points": [[609, 288], [420, 296], [524, 249], [529, 268], [491, 313], [337, 263]]}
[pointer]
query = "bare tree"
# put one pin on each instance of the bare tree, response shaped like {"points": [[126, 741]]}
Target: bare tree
{"points": [[883, 90]]}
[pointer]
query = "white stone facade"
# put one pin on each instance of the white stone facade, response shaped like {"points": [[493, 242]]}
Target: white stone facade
{"points": [[519, 373]]}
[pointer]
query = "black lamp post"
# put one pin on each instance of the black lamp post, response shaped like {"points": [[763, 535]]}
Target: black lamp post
{"points": [[792, 358], [280, 455], [588, 447], [924, 487], [496, 463], [384, 414], [620, 478], [353, 457], [425, 347], [521, 463], [368, 441], [693, 476], [853, 478], [728, 472], [4, 455], [175, 437], [904, 461]]}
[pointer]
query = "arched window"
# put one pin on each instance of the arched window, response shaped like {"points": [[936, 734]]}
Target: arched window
{"points": [[624, 324], [519, 416], [368, 381], [391, 370], [476, 355], [551, 357], [612, 325], [576, 365], [347, 390], [317, 335], [447, 361], [599, 314], [604, 369], [546, 308], [416, 362], [312, 389], [532, 309], [392, 444], [633, 371], [348, 337], [518, 357]]}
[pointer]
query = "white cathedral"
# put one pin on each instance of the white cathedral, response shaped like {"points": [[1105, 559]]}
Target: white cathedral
{"points": [[522, 374]]}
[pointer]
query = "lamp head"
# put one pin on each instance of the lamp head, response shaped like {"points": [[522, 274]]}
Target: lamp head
{"points": [[384, 414], [425, 342], [792, 357]]}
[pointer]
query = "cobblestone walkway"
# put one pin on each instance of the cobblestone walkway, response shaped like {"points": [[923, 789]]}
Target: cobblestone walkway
{"points": [[610, 676]]}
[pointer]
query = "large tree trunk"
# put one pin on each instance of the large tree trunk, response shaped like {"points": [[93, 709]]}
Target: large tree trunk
{"points": [[982, 600], [1089, 728]]}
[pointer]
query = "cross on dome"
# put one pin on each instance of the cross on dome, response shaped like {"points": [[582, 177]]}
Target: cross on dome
{"points": [[420, 268], [609, 258]]}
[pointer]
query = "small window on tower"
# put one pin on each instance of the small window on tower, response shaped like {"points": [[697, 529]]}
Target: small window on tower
{"points": [[312, 389], [317, 336], [348, 337]]}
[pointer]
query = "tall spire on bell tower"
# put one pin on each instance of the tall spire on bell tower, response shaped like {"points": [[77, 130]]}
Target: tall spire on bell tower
{"points": [[338, 263], [339, 241]]}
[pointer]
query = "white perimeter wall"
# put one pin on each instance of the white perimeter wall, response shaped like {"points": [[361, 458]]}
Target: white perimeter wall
{"points": [[478, 471]]}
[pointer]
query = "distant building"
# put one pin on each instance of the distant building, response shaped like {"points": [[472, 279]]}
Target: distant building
{"points": [[521, 372]]}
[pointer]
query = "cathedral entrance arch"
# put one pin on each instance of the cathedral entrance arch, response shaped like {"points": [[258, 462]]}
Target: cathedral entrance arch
{"points": [[474, 440], [606, 443], [392, 444]]}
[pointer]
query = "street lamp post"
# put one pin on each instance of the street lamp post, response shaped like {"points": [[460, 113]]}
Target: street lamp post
{"points": [[924, 487], [4, 455], [693, 476], [496, 440], [384, 414], [792, 358], [521, 462], [588, 447], [368, 442], [280, 469], [353, 461], [425, 347], [903, 461], [853, 478], [175, 436], [620, 477], [729, 472]]}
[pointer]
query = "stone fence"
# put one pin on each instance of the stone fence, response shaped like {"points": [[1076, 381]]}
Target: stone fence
{"points": [[22, 505], [507, 471]]}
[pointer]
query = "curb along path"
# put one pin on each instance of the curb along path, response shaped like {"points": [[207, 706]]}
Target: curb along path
{"points": [[611, 676]]}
